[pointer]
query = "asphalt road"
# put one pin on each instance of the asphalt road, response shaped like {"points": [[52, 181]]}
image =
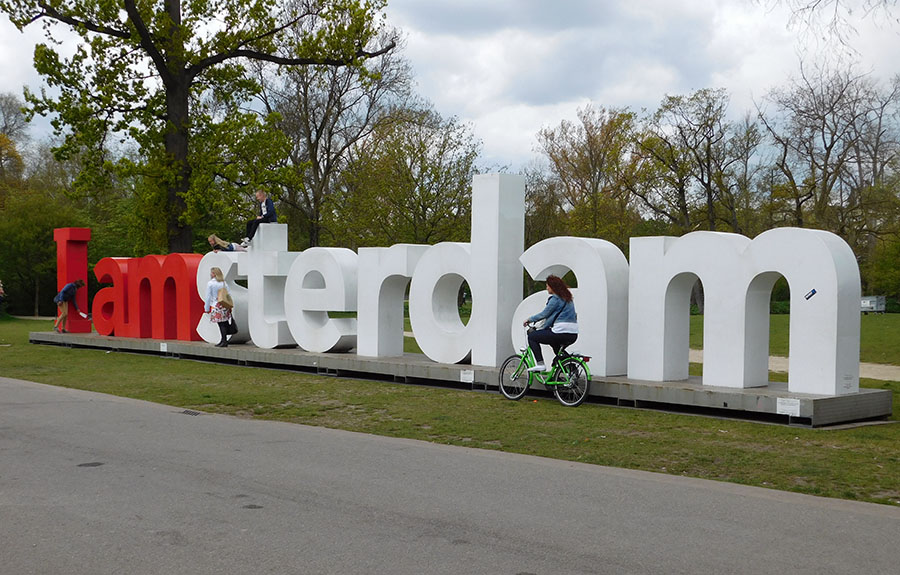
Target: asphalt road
{"points": [[93, 484]]}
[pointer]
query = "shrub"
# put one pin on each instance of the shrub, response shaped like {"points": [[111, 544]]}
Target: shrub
{"points": [[780, 307]]}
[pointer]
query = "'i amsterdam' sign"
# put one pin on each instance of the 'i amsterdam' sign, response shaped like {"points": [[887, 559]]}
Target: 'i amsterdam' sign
{"points": [[633, 316]]}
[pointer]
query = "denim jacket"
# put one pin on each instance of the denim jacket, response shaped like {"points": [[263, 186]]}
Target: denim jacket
{"points": [[67, 293], [556, 311]]}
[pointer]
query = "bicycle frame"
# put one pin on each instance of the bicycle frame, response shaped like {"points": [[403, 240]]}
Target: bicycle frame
{"points": [[546, 378]]}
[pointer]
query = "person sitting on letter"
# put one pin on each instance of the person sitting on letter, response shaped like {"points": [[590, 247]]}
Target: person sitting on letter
{"points": [[217, 243], [266, 215]]}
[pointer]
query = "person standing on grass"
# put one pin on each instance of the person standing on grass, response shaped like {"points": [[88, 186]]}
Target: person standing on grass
{"points": [[62, 299], [560, 322], [266, 216]]}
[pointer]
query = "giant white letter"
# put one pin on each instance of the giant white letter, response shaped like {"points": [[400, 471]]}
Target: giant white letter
{"points": [[383, 276], [737, 277], [489, 264], [322, 280], [601, 299], [266, 266], [228, 263]]}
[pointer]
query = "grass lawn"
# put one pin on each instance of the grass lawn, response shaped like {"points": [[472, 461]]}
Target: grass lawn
{"points": [[879, 337], [861, 463]]}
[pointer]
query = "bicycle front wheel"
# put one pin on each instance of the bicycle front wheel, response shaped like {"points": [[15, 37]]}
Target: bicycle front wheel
{"points": [[574, 385], [513, 377]]}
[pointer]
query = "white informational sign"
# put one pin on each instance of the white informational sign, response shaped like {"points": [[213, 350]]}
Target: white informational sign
{"points": [[787, 406]]}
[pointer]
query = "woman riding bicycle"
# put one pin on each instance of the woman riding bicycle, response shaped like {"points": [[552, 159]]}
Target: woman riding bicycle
{"points": [[561, 322]]}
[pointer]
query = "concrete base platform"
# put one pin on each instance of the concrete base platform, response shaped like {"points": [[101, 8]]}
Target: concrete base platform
{"points": [[771, 403]]}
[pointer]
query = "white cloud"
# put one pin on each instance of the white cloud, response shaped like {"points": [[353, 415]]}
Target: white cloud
{"points": [[509, 133], [510, 67], [16, 65], [16, 52]]}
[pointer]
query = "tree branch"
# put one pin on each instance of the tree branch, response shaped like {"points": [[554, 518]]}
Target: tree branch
{"points": [[147, 42], [264, 57], [53, 13], [277, 29]]}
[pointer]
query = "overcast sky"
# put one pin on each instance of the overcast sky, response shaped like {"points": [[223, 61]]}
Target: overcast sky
{"points": [[511, 67]]}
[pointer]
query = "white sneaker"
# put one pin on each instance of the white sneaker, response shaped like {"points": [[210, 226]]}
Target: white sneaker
{"points": [[537, 368], [245, 242]]}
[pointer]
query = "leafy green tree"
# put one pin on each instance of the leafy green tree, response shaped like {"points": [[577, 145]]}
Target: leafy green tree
{"points": [[11, 164], [109, 211], [28, 265], [660, 177], [409, 182], [12, 130], [588, 160], [881, 271], [545, 215], [236, 156], [153, 74]]}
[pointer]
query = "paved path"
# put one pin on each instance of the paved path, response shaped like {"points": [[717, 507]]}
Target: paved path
{"points": [[95, 484], [868, 370], [780, 364]]}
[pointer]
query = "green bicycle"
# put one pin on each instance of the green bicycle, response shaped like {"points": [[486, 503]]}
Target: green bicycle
{"points": [[569, 376]]}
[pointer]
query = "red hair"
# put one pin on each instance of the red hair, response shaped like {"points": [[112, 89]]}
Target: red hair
{"points": [[559, 287]]}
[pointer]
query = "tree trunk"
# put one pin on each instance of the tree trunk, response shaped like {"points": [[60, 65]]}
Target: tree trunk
{"points": [[683, 209], [181, 235], [178, 87], [315, 225], [37, 297], [313, 233], [697, 296]]}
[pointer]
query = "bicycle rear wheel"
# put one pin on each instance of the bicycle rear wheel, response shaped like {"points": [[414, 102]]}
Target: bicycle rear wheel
{"points": [[513, 377], [576, 383]]}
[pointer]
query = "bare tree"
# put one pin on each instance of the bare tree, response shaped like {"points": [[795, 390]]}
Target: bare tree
{"points": [[835, 18], [701, 130], [325, 110], [837, 137], [735, 175], [12, 119], [813, 130], [691, 166], [876, 144]]}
